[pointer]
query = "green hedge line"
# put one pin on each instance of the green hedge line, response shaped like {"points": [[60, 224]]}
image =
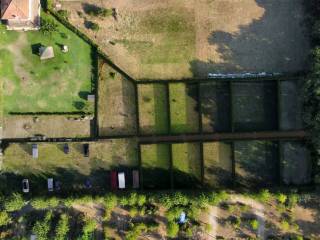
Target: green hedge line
{"points": [[312, 84]]}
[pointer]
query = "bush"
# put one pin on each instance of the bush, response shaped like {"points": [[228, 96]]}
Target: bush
{"points": [[263, 196], [254, 224], [48, 26], [62, 228], [281, 198], [97, 11], [5, 219], [216, 198], [43, 203], [14, 203], [42, 227], [64, 14], [285, 225], [172, 229], [292, 200], [133, 212], [141, 200], [88, 229]]}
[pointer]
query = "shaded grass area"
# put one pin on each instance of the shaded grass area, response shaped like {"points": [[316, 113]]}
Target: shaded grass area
{"points": [[217, 164], [254, 106], [70, 169], [153, 112], [155, 161], [184, 108], [291, 105], [186, 165], [256, 163], [116, 102], [296, 165], [215, 106], [60, 84]]}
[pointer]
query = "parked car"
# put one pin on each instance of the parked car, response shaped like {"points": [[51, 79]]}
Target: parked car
{"points": [[35, 152], [121, 180], [50, 184], [66, 149], [86, 150], [25, 186], [113, 180], [135, 179], [88, 184]]}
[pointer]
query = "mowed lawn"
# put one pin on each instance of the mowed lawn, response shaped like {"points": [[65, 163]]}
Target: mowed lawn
{"points": [[186, 165], [184, 108], [155, 161], [71, 169], [153, 109], [60, 84]]}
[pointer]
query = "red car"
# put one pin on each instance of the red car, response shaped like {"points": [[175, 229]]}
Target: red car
{"points": [[114, 180]]}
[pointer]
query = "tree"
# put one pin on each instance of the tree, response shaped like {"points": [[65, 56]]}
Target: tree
{"points": [[88, 229], [48, 26], [62, 228], [42, 227], [14, 203], [282, 198]]}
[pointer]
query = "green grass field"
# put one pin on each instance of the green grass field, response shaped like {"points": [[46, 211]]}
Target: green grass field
{"points": [[56, 85], [71, 169], [153, 112], [256, 163], [155, 160], [217, 164], [183, 108], [186, 165]]}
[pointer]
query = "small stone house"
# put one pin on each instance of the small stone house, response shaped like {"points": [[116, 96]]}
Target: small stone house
{"points": [[20, 14]]}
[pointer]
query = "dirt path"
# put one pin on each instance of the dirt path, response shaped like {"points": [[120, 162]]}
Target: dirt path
{"points": [[258, 211], [212, 220]]}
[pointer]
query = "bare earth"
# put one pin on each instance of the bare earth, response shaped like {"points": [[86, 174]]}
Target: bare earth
{"points": [[53, 126], [224, 36]]}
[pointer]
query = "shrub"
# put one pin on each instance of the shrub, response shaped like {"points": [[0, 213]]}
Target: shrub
{"points": [[263, 196], [88, 229], [254, 224], [42, 227], [64, 14], [14, 203], [5, 219], [133, 212], [281, 198], [43, 203], [285, 225], [48, 26], [97, 11], [141, 200], [216, 198], [292, 200], [62, 228], [172, 229]]}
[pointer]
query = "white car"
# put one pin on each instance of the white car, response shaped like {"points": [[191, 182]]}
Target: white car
{"points": [[25, 185], [121, 180], [50, 184]]}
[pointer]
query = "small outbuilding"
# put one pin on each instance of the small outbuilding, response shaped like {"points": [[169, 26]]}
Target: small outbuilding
{"points": [[46, 52], [91, 98]]}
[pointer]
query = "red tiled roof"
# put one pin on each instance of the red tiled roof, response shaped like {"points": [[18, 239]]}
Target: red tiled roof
{"points": [[11, 9]]}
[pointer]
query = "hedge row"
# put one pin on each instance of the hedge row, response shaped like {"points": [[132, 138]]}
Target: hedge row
{"points": [[312, 84]]}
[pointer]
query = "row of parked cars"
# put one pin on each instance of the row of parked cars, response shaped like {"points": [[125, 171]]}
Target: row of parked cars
{"points": [[118, 180]]}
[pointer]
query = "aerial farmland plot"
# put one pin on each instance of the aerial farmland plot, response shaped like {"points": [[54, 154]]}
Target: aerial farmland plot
{"points": [[116, 103], [254, 106], [187, 38], [184, 109], [215, 106], [186, 165], [256, 163], [155, 162], [217, 163], [153, 109]]}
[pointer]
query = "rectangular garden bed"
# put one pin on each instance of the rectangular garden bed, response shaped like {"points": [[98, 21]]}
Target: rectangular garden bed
{"points": [[186, 165], [155, 162]]}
